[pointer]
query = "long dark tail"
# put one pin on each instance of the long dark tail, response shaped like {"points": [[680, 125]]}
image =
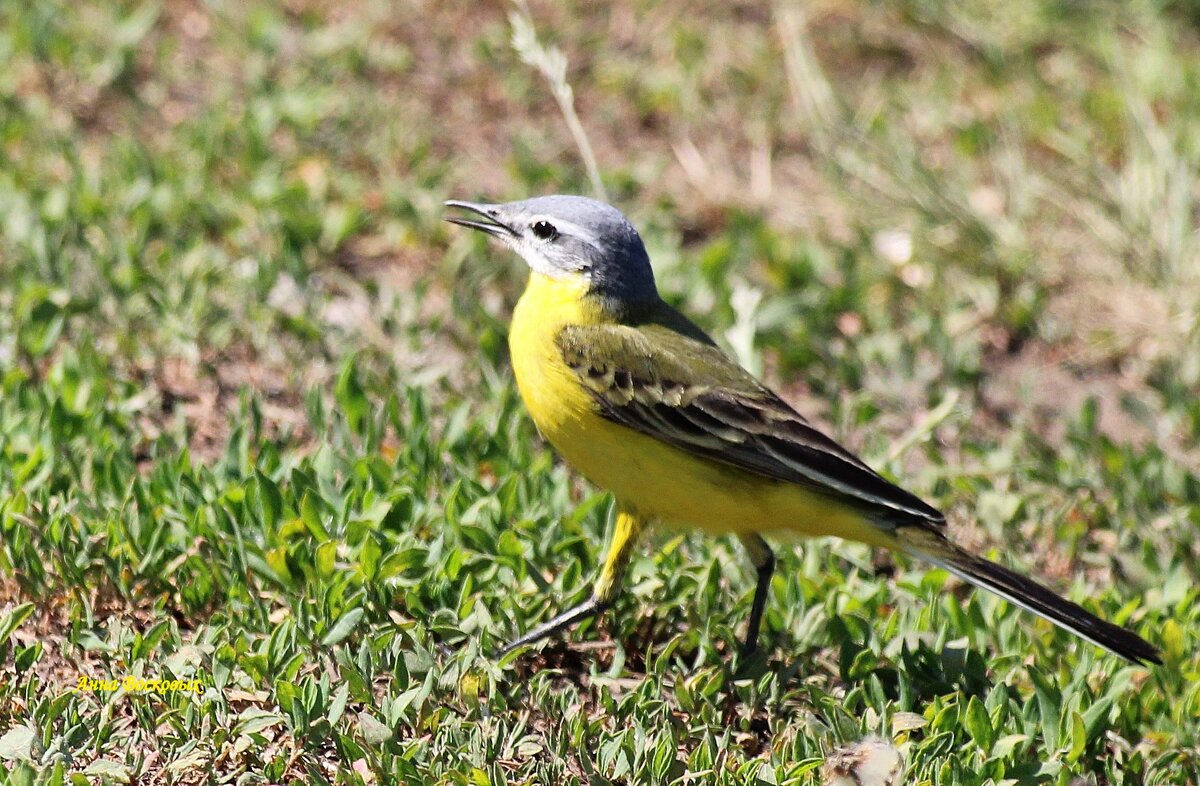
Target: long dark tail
{"points": [[1027, 594]]}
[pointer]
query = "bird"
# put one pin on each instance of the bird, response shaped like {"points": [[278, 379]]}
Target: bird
{"points": [[644, 404]]}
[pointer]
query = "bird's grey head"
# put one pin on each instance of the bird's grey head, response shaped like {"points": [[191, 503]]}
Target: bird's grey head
{"points": [[572, 236]]}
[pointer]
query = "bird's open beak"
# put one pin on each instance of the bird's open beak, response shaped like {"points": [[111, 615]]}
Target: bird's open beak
{"points": [[493, 226]]}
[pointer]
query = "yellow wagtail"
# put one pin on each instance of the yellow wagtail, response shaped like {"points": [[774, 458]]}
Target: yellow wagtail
{"points": [[645, 405]]}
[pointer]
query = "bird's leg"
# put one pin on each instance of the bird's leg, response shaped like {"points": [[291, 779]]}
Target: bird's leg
{"points": [[589, 608], [764, 563], [604, 591]]}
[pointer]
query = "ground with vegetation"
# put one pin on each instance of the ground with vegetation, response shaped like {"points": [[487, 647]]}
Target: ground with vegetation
{"points": [[257, 425]]}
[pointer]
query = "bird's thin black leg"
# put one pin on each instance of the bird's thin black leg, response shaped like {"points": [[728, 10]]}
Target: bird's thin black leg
{"points": [[764, 563], [605, 591], [591, 607]]}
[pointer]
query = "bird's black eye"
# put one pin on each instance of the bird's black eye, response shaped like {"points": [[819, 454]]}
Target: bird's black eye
{"points": [[544, 230]]}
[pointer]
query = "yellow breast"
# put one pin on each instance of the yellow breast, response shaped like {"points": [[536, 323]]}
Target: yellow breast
{"points": [[549, 388]]}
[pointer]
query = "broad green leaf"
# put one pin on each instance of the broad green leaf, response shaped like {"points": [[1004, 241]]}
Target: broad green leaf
{"points": [[978, 724], [374, 732], [311, 514], [344, 627], [13, 619]]}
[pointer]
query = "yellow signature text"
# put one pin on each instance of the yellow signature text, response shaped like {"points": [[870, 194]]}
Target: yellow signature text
{"points": [[132, 684]]}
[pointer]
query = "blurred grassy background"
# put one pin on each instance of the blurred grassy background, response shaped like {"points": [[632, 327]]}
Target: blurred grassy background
{"points": [[256, 423]]}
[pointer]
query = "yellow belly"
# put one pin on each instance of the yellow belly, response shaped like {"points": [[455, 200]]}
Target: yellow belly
{"points": [[654, 479]]}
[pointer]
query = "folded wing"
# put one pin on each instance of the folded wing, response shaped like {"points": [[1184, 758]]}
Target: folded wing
{"points": [[680, 388]]}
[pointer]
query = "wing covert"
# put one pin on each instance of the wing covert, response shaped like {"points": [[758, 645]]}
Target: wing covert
{"points": [[689, 394]]}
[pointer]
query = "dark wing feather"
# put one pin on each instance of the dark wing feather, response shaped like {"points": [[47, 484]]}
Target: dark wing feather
{"points": [[669, 384]]}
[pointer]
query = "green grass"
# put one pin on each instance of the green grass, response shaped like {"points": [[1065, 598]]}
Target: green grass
{"points": [[257, 425]]}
